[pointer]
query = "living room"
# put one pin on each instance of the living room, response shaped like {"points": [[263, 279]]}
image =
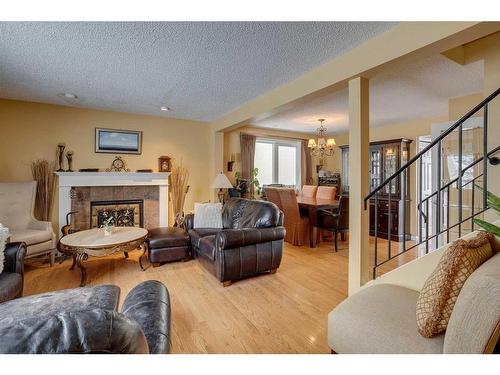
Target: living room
{"points": [[142, 191]]}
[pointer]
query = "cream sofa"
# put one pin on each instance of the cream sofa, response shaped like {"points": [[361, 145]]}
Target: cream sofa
{"points": [[17, 202], [380, 318]]}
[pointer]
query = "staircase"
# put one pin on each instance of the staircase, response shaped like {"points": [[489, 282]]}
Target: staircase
{"points": [[458, 194]]}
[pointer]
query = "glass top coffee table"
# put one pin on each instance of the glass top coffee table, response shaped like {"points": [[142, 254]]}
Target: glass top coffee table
{"points": [[94, 242]]}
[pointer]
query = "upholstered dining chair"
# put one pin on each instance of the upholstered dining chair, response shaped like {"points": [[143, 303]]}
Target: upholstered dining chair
{"points": [[273, 195], [17, 202], [296, 225], [309, 191], [326, 192]]}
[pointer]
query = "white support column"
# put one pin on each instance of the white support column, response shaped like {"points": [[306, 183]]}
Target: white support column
{"points": [[359, 144]]}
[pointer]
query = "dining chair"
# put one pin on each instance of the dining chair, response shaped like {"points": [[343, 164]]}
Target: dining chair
{"points": [[326, 192], [335, 221], [273, 195], [296, 225], [309, 191]]}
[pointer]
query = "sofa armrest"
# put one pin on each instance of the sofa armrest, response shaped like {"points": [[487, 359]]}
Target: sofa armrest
{"points": [[188, 222], [14, 257], [148, 304], [231, 238]]}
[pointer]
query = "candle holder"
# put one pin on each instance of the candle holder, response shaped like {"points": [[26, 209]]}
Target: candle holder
{"points": [[69, 157], [60, 156]]}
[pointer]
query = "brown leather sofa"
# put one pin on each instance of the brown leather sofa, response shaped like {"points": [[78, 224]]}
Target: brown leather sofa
{"points": [[250, 242]]}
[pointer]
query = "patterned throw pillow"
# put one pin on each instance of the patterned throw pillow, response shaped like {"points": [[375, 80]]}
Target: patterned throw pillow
{"points": [[440, 292], [208, 215]]}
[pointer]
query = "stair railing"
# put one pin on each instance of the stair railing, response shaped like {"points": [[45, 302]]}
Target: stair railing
{"points": [[440, 195]]}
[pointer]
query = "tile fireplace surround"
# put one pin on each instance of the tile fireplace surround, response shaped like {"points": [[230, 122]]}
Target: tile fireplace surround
{"points": [[152, 188]]}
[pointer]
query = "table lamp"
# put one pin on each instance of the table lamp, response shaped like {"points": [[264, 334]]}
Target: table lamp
{"points": [[221, 182]]}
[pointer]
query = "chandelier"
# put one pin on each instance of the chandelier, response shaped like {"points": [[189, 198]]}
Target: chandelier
{"points": [[323, 147]]}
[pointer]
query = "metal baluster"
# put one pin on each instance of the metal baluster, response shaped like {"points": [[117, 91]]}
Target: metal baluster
{"points": [[402, 185], [460, 172], [485, 156], [376, 236], [473, 205], [448, 214], [420, 199], [427, 226], [389, 221], [438, 195]]}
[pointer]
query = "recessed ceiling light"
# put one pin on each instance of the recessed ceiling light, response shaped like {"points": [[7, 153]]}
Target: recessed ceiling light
{"points": [[165, 108], [67, 95]]}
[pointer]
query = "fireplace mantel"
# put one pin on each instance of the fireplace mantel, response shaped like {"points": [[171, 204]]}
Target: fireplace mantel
{"points": [[67, 180]]}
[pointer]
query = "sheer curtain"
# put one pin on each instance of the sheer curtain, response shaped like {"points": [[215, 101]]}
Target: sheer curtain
{"points": [[247, 146]]}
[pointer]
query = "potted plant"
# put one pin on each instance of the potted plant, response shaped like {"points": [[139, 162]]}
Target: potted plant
{"points": [[244, 185], [493, 202]]}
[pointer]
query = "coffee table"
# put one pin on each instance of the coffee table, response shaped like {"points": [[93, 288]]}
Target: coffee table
{"points": [[93, 242]]}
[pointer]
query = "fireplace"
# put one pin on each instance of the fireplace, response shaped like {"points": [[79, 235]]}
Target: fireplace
{"points": [[77, 190], [124, 213]]}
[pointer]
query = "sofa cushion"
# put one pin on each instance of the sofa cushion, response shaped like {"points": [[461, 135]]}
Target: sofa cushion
{"points": [[47, 304], [379, 319], [440, 292], [11, 284], [197, 234], [476, 314], [30, 236]]}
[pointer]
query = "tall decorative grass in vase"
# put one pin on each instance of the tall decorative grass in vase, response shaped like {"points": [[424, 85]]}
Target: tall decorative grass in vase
{"points": [[43, 174], [179, 188]]}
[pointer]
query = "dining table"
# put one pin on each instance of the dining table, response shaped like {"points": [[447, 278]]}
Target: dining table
{"points": [[312, 205]]}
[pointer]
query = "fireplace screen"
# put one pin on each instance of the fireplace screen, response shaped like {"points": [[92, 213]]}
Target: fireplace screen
{"points": [[125, 213]]}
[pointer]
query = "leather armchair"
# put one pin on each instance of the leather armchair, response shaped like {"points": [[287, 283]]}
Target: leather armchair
{"points": [[250, 242], [86, 320], [12, 277], [17, 200]]}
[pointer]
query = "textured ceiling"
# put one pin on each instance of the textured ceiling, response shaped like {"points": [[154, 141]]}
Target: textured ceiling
{"points": [[201, 70], [403, 92]]}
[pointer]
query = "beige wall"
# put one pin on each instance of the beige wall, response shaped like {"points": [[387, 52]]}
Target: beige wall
{"points": [[457, 107], [31, 131], [232, 146]]}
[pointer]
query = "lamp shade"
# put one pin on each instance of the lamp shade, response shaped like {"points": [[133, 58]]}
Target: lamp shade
{"points": [[221, 182], [311, 143], [331, 142]]}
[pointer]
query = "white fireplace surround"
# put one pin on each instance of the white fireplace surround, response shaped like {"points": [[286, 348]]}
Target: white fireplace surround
{"points": [[67, 180]]}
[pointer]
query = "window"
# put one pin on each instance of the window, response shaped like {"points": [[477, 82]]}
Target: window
{"points": [[278, 161]]}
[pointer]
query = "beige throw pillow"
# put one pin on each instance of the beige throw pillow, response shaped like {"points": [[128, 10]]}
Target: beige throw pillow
{"points": [[208, 215], [440, 292]]}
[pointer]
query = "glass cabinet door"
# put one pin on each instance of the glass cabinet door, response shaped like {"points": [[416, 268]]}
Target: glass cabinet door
{"points": [[375, 168], [390, 167], [345, 170]]}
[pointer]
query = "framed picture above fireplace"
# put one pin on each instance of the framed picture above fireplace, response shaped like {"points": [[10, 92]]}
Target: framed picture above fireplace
{"points": [[118, 141]]}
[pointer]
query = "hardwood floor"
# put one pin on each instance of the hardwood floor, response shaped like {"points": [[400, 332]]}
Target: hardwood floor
{"points": [[284, 312]]}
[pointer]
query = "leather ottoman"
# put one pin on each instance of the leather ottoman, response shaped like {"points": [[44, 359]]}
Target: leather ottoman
{"points": [[168, 245]]}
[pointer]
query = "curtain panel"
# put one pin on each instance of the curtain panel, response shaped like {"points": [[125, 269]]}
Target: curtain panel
{"points": [[306, 165]]}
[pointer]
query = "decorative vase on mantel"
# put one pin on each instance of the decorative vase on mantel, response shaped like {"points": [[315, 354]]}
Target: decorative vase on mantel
{"points": [[60, 156]]}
